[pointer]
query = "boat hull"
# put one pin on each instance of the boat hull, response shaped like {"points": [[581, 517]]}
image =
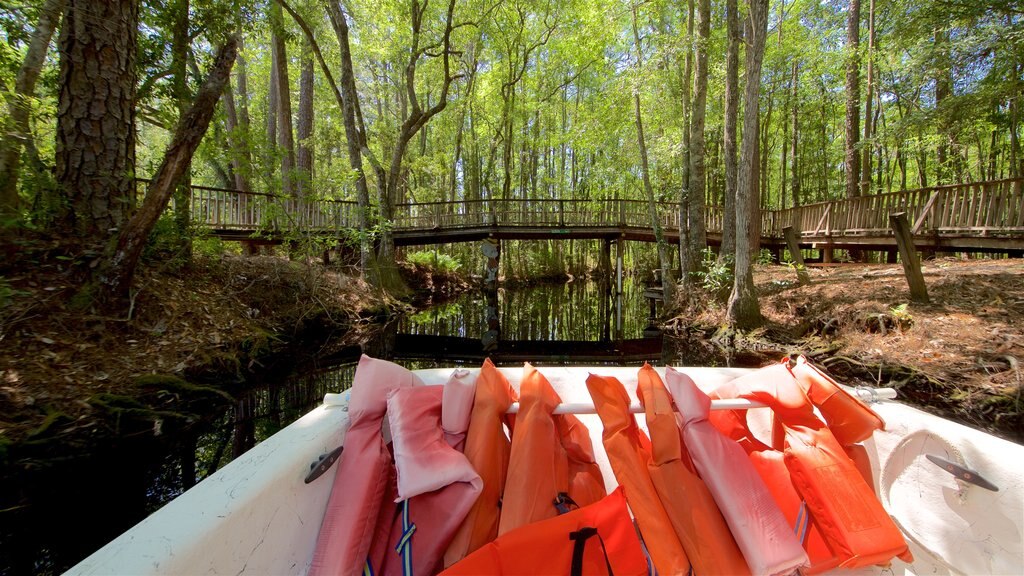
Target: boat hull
{"points": [[258, 516]]}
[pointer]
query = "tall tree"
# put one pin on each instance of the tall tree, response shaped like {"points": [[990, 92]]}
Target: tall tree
{"points": [[96, 116], [16, 127], [732, 104], [695, 206], [180, 41], [304, 158], [744, 310], [668, 283], [285, 134], [865, 177], [852, 158]]}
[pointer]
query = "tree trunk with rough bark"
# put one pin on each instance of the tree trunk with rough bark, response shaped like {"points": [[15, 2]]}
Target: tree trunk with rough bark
{"points": [[16, 128], [744, 310], [96, 116], [795, 151], [684, 192], [865, 176], [114, 275]]}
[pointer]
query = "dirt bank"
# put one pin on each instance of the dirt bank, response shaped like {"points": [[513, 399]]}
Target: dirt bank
{"points": [[958, 356], [192, 333]]}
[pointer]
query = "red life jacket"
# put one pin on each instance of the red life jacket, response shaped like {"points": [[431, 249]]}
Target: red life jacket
{"points": [[855, 527], [596, 539]]}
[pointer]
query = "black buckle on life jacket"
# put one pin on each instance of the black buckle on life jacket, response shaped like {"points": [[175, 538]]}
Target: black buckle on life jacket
{"points": [[563, 502]]}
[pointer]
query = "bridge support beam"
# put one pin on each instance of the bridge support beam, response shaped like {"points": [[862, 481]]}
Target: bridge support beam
{"points": [[908, 254]]}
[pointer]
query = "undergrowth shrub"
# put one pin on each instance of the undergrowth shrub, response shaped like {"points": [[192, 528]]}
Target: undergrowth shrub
{"points": [[430, 259]]}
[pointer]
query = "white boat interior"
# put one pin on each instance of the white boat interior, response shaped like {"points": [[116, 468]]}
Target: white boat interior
{"points": [[257, 516]]}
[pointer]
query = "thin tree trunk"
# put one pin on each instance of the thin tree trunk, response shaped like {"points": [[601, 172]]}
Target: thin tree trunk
{"points": [[96, 115], [684, 195], [304, 159], [943, 89], [852, 159], [182, 99], [744, 310], [668, 283], [728, 248], [16, 128], [865, 178], [116, 271], [796, 135]]}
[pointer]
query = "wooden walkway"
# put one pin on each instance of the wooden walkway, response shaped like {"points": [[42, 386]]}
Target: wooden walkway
{"points": [[983, 216]]}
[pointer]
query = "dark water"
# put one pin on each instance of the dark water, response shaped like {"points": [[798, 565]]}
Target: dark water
{"points": [[56, 514]]}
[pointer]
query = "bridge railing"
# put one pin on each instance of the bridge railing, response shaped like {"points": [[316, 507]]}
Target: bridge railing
{"points": [[226, 209], [978, 208]]}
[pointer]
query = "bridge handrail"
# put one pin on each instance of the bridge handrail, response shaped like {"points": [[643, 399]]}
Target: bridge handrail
{"points": [[979, 207]]}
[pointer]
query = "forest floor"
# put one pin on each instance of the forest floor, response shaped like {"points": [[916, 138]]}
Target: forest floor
{"points": [[958, 356], [192, 335]]}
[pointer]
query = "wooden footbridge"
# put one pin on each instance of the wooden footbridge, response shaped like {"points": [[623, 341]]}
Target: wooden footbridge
{"points": [[982, 216]]}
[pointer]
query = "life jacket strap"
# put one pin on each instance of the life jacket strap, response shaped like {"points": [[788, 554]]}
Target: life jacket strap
{"points": [[579, 539], [404, 546]]}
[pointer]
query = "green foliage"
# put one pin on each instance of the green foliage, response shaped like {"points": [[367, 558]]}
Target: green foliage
{"points": [[166, 243], [716, 274], [430, 259], [765, 257]]}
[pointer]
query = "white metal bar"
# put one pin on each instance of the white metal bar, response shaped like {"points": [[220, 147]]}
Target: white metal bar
{"points": [[866, 394]]}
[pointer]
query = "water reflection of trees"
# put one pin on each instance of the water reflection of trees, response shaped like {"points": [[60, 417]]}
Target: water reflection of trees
{"points": [[579, 310]]}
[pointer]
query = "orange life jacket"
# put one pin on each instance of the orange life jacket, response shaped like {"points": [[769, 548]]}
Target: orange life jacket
{"points": [[544, 480], [487, 448], [853, 523], [596, 539], [849, 419], [690, 506], [629, 452]]}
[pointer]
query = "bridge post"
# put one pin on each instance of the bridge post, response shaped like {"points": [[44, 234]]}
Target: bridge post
{"points": [[911, 263], [796, 255]]}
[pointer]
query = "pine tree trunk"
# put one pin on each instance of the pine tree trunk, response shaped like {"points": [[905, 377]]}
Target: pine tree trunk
{"points": [[943, 90], [744, 310], [795, 152], [16, 128], [684, 194], [96, 116]]}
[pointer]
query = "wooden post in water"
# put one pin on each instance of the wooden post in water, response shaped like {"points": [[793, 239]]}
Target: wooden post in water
{"points": [[619, 249], [796, 255], [908, 254]]}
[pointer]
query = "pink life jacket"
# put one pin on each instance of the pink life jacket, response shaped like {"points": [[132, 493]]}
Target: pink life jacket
{"points": [[362, 474], [436, 483], [761, 531]]}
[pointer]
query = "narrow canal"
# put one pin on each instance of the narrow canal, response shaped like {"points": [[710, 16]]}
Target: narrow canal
{"points": [[69, 509]]}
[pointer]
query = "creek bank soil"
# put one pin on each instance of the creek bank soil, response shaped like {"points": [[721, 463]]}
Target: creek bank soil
{"points": [[70, 378], [958, 356]]}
